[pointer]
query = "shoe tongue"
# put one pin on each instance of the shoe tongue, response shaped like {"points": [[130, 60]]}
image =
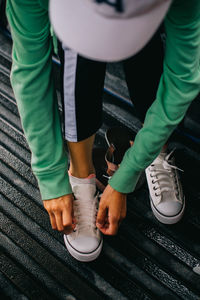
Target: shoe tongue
{"points": [[84, 191], [160, 158]]}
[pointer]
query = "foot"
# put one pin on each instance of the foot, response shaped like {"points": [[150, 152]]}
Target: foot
{"points": [[106, 162], [166, 194], [85, 243]]}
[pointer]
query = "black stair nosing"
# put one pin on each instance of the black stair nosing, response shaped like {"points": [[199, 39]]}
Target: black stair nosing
{"points": [[5, 58], [27, 285], [125, 118], [18, 166], [146, 226], [13, 147], [63, 272], [55, 247], [5, 79], [120, 279], [10, 118], [110, 87], [7, 46], [3, 70], [32, 208], [157, 280], [150, 247], [9, 210], [9, 104], [5, 53], [176, 250], [173, 234], [152, 268], [7, 93], [182, 291], [25, 219], [18, 133], [17, 136], [19, 182], [160, 257], [187, 255], [30, 266], [9, 290], [8, 96], [7, 42], [134, 269]]}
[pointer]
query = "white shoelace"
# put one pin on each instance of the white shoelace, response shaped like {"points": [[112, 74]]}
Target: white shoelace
{"points": [[164, 178], [85, 213]]}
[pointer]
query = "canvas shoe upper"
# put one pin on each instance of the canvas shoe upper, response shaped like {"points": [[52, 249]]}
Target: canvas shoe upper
{"points": [[166, 194], [85, 243]]}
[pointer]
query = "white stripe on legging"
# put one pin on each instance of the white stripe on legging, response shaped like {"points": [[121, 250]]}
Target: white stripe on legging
{"points": [[69, 84]]}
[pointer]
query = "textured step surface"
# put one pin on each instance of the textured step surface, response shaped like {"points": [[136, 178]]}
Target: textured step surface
{"points": [[146, 260]]}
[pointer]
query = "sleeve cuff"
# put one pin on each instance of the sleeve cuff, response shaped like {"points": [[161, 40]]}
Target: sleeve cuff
{"points": [[54, 185], [125, 179]]}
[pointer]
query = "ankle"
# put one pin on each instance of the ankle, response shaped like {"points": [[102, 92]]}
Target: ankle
{"points": [[82, 174]]}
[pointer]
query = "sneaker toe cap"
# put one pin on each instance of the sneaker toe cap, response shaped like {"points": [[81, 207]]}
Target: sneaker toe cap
{"points": [[85, 244], [169, 208]]}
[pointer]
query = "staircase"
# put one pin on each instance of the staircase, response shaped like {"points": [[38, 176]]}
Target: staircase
{"points": [[146, 260]]}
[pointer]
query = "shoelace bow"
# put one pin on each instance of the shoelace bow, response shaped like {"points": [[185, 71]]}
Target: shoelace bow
{"points": [[169, 176], [85, 214]]}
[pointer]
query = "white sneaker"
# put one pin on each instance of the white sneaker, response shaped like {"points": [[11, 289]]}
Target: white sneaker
{"points": [[85, 243], [166, 194]]}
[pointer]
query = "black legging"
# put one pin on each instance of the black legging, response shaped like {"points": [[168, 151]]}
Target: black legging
{"points": [[142, 73]]}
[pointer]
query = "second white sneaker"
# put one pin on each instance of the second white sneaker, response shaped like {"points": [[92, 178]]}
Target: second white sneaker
{"points": [[85, 243], [166, 194]]}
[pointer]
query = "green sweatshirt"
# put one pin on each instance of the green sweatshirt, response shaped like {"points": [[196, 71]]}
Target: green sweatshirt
{"points": [[33, 85]]}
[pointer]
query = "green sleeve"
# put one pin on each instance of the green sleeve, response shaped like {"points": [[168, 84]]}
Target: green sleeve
{"points": [[33, 86], [179, 85]]}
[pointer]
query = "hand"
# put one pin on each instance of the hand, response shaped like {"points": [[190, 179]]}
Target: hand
{"points": [[112, 210], [60, 211]]}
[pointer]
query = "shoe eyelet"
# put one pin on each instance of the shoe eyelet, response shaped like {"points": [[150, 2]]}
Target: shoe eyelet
{"points": [[156, 195], [154, 188], [153, 182], [151, 175]]}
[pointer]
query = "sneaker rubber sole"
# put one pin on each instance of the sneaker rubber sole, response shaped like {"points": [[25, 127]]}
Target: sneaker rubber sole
{"points": [[80, 256], [166, 219]]}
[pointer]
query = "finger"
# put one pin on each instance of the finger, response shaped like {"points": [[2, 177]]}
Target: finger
{"points": [[101, 216], [109, 229], [113, 226], [52, 221], [59, 223], [67, 222]]}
